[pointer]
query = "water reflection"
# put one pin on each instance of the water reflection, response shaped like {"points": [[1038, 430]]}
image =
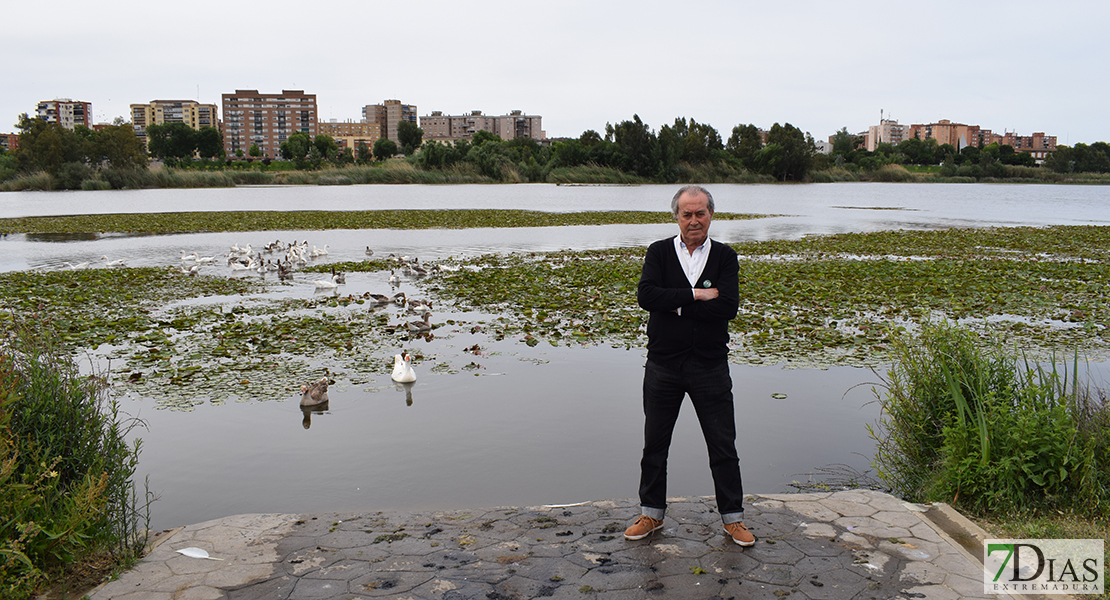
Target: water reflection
{"points": [[407, 388], [307, 413]]}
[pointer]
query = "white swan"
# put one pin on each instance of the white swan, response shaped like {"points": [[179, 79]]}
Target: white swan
{"points": [[326, 284], [113, 263], [319, 251], [402, 369], [77, 267]]}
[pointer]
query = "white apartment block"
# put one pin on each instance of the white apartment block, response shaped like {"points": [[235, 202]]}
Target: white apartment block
{"points": [[65, 112]]}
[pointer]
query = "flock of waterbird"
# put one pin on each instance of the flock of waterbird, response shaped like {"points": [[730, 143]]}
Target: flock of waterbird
{"points": [[283, 259]]}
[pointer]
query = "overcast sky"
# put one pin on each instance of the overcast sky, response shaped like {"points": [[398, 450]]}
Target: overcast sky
{"points": [[1012, 65]]}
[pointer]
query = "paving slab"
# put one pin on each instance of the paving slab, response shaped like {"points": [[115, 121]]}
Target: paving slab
{"points": [[856, 544]]}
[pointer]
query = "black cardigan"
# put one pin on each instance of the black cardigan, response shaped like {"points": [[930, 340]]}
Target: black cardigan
{"points": [[702, 330]]}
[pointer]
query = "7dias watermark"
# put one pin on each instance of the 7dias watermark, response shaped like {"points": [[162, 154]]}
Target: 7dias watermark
{"points": [[1043, 567]]}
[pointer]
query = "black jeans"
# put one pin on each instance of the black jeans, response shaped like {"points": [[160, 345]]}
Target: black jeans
{"points": [[710, 390]]}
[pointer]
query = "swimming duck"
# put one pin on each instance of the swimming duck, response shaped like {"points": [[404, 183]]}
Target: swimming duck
{"points": [[113, 263], [421, 326], [402, 369], [325, 284], [315, 393]]}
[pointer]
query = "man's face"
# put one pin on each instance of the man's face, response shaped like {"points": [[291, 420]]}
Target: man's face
{"points": [[693, 218]]}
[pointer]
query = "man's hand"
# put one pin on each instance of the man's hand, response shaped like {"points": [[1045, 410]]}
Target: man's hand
{"points": [[705, 294]]}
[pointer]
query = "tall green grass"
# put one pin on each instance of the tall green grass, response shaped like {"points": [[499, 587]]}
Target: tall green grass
{"points": [[66, 490], [965, 422]]}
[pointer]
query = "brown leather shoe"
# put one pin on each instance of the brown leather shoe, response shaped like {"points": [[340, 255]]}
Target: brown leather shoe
{"points": [[740, 534], [643, 527]]}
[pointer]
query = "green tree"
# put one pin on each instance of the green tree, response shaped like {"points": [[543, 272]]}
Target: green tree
{"points": [[46, 146], [118, 146], [432, 155], [171, 141], [793, 155], [744, 143], [843, 143], [347, 157], [363, 153], [209, 142], [254, 150], [326, 146], [295, 147], [589, 138], [384, 149], [409, 137], [638, 144], [484, 137], [9, 166]]}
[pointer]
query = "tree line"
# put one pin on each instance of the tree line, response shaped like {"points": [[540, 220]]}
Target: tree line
{"points": [[629, 150]]}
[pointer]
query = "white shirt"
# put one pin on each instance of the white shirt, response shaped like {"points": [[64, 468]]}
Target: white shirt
{"points": [[692, 264]]}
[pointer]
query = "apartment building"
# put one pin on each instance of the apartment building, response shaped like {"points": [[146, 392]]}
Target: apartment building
{"points": [[1038, 144], [65, 112], [887, 131], [348, 134], [9, 142], [438, 126], [388, 114], [159, 112], [251, 117]]}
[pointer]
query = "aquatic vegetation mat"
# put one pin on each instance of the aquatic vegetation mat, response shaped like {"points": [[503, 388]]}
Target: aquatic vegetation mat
{"points": [[202, 222], [812, 302]]}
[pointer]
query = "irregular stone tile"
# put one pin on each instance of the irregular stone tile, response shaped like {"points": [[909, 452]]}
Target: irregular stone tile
{"points": [[911, 549], [813, 510], [852, 539], [849, 509], [902, 519], [930, 592], [832, 586], [184, 565], [784, 575], [821, 530], [921, 573], [225, 578], [957, 564], [814, 546], [386, 584], [965, 586], [277, 588], [791, 498], [854, 496], [774, 552]]}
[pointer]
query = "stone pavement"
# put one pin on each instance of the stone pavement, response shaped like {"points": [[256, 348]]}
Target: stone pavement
{"points": [[853, 544]]}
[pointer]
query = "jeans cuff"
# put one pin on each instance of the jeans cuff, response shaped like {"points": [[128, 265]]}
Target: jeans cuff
{"points": [[655, 513], [732, 517]]}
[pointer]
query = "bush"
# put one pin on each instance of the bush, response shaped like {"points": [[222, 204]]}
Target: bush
{"points": [[892, 174], [65, 469], [978, 428]]}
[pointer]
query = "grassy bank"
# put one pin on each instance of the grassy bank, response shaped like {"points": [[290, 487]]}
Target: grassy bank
{"points": [[71, 511]]}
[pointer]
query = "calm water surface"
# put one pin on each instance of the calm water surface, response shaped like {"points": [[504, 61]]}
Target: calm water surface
{"points": [[531, 426]]}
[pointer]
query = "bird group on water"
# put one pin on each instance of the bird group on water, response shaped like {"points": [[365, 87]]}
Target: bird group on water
{"points": [[285, 258]]}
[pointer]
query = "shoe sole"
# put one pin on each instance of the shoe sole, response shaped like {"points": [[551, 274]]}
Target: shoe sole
{"points": [[739, 543], [633, 538]]}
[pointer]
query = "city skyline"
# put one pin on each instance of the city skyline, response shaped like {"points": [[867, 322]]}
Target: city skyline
{"points": [[1008, 66]]}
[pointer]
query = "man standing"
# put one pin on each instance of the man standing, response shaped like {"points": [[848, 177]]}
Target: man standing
{"points": [[690, 284]]}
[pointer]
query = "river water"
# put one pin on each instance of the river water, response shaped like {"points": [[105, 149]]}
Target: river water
{"points": [[538, 425]]}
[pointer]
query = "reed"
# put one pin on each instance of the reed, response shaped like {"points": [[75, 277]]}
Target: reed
{"points": [[66, 489], [977, 427]]}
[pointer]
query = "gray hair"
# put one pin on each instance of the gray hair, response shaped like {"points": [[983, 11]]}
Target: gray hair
{"points": [[695, 189]]}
